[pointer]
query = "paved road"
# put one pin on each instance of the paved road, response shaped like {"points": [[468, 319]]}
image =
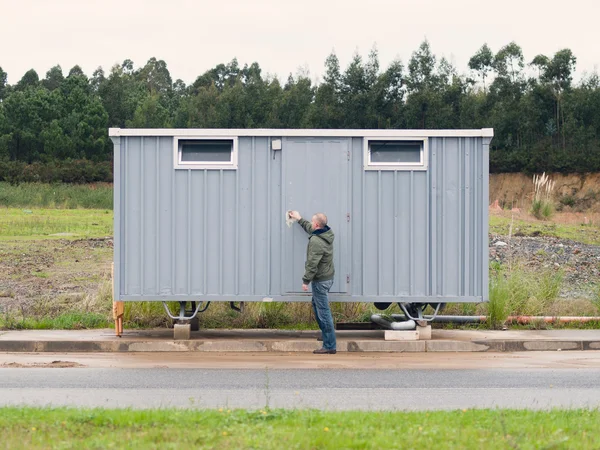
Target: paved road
{"points": [[336, 389]]}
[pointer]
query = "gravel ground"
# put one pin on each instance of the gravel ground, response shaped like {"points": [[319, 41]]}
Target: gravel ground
{"points": [[579, 262]]}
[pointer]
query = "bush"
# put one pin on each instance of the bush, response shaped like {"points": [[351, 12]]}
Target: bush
{"points": [[497, 306], [567, 200], [542, 206], [519, 292], [74, 171], [542, 209], [596, 297]]}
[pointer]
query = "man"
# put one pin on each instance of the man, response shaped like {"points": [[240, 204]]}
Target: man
{"points": [[319, 272]]}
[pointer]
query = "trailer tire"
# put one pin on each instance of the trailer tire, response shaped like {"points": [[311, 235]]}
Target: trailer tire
{"points": [[382, 306]]}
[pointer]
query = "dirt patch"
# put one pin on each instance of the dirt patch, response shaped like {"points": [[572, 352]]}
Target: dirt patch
{"points": [[47, 278], [42, 277], [577, 192], [51, 365]]}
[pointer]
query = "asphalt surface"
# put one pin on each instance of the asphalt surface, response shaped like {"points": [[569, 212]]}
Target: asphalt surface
{"points": [[334, 389]]}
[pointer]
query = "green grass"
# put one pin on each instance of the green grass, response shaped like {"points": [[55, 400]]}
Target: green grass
{"points": [[60, 195], [40, 274], [542, 209], [66, 321], [280, 315], [290, 429], [516, 291], [596, 297], [32, 246], [497, 306], [586, 234], [44, 223]]}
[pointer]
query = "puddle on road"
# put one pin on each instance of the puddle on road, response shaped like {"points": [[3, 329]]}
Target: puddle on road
{"points": [[46, 365]]}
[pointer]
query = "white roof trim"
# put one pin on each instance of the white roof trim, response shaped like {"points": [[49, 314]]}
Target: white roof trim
{"points": [[225, 132]]}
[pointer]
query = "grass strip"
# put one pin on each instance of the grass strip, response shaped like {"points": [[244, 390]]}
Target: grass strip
{"points": [[55, 223], [66, 321], [58, 195], [275, 429], [586, 234]]}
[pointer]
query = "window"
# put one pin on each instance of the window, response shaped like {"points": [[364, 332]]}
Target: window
{"points": [[206, 153], [395, 154]]}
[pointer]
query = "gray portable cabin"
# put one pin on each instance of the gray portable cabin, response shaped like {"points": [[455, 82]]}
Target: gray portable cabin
{"points": [[200, 214]]}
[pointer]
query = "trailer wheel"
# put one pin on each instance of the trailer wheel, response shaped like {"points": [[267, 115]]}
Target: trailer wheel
{"points": [[382, 306], [435, 305]]}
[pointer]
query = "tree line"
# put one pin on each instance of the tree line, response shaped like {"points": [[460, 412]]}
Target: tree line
{"points": [[543, 121]]}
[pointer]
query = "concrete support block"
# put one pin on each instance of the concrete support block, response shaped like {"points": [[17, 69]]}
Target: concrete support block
{"points": [[419, 334], [401, 335], [424, 332], [182, 332]]}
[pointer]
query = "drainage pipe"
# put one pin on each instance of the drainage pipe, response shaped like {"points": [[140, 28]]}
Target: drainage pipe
{"points": [[447, 319], [551, 319], [523, 320], [405, 325]]}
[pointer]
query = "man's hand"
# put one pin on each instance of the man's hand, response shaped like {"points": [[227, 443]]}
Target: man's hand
{"points": [[294, 215], [305, 287]]}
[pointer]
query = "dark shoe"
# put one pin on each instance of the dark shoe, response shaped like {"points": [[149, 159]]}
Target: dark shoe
{"points": [[324, 351]]}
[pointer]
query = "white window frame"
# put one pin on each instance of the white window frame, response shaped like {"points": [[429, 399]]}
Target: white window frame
{"points": [[422, 165], [215, 165]]}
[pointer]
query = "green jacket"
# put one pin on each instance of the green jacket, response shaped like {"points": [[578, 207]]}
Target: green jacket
{"points": [[319, 253]]}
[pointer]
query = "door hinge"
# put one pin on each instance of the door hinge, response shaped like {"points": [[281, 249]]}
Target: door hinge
{"points": [[348, 279], [348, 217], [348, 155]]}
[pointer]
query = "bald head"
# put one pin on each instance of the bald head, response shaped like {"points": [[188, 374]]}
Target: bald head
{"points": [[319, 220]]}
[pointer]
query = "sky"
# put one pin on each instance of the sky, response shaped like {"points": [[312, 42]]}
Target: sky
{"points": [[284, 36]]}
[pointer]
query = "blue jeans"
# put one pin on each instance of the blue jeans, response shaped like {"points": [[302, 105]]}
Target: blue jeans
{"points": [[320, 304]]}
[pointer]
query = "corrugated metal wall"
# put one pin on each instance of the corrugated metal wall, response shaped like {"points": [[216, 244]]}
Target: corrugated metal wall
{"points": [[220, 234], [423, 233]]}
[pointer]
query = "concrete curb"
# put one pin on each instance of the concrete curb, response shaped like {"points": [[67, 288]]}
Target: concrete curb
{"points": [[291, 346], [539, 345]]}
